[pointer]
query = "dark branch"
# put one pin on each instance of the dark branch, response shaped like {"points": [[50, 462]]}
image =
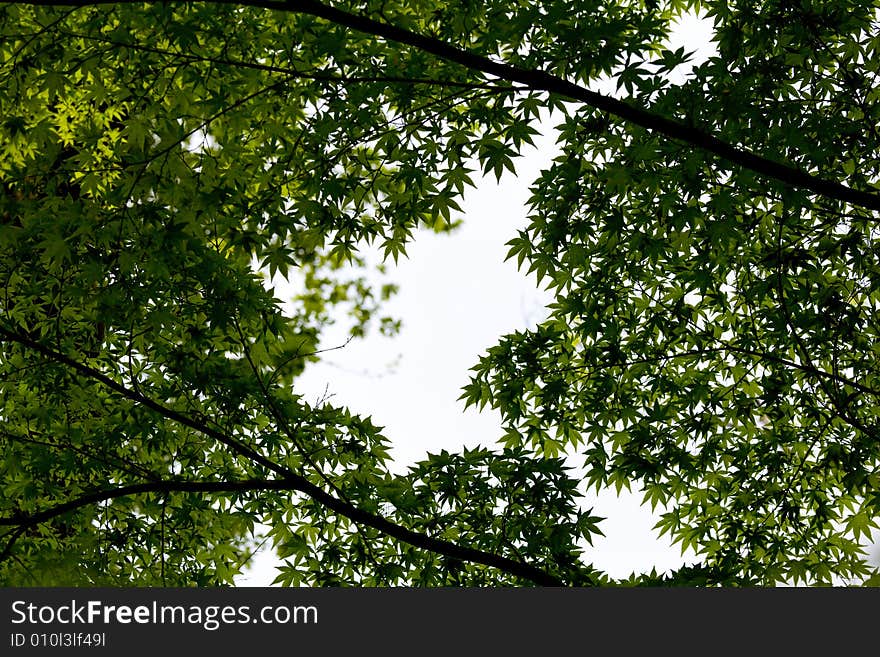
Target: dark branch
{"points": [[294, 481], [316, 75], [541, 81], [241, 486]]}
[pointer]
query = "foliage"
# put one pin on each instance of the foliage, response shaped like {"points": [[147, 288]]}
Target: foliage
{"points": [[712, 342]]}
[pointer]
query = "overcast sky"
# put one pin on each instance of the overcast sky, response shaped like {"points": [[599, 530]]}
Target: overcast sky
{"points": [[457, 297]]}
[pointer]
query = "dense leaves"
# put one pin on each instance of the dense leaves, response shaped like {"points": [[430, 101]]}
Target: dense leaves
{"points": [[712, 341], [714, 338]]}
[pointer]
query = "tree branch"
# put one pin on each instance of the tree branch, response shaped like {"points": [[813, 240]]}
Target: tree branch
{"points": [[538, 80], [235, 486], [316, 75], [294, 481]]}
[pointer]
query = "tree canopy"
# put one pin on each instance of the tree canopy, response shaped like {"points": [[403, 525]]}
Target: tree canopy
{"points": [[711, 245]]}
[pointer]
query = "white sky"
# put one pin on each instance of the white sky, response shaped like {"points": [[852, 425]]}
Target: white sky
{"points": [[457, 297]]}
